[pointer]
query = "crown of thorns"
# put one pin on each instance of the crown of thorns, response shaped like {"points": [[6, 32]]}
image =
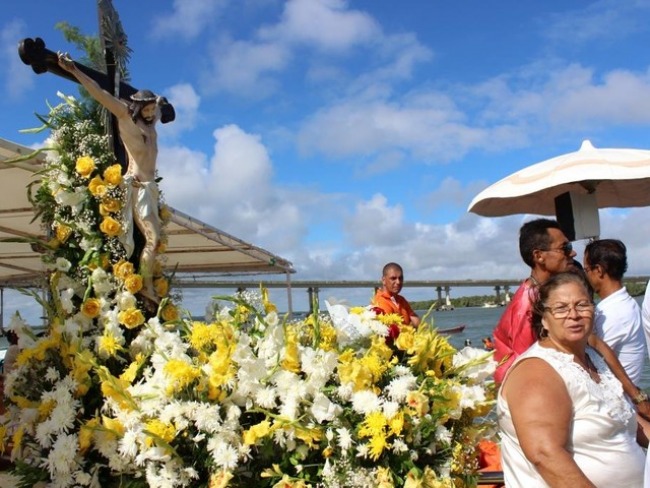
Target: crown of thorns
{"points": [[144, 96]]}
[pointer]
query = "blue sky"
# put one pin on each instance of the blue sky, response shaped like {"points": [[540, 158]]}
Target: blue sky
{"points": [[345, 134]]}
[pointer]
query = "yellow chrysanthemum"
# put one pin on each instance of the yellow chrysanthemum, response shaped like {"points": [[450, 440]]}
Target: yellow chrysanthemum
{"points": [[377, 445], [91, 308], [113, 175], [109, 345], [85, 166], [374, 424], [182, 374]]}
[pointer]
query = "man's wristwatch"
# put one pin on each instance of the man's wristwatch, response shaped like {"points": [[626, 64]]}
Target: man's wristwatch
{"points": [[640, 397]]}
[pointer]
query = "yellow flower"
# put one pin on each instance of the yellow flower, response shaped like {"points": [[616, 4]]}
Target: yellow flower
{"points": [[91, 308], [97, 187], [377, 445], [86, 434], [110, 227], [133, 283], [161, 285], [114, 426], [268, 305], [169, 312], [109, 345], [62, 232], [220, 479], [256, 432], [418, 401], [164, 213], [122, 269], [85, 166], [373, 425], [131, 318], [113, 175], [291, 361], [181, 373], [109, 206], [383, 478], [157, 429]]}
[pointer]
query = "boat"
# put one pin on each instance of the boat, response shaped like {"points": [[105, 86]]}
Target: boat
{"points": [[453, 330]]}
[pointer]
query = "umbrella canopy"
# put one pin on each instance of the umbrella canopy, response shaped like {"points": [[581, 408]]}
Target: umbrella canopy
{"points": [[616, 177]]}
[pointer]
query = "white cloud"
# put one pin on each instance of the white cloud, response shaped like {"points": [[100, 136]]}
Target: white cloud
{"points": [[188, 18], [233, 190], [603, 19], [186, 105], [245, 68], [18, 78], [375, 223], [323, 24]]}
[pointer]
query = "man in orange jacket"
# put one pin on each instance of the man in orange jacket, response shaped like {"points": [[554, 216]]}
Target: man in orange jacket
{"points": [[388, 299]]}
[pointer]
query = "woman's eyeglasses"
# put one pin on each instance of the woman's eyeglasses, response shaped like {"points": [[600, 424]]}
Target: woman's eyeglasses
{"points": [[563, 310]]}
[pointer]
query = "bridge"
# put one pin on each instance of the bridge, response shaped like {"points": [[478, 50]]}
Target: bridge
{"points": [[314, 286]]}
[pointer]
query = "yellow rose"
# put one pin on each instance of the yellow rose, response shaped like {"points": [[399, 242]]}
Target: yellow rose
{"points": [[113, 175], [122, 269], [97, 187], [131, 318], [62, 232], [85, 166], [109, 206], [169, 312], [161, 285], [91, 308], [110, 227], [133, 283]]}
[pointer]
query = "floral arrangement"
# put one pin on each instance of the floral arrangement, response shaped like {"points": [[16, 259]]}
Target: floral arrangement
{"points": [[113, 395]]}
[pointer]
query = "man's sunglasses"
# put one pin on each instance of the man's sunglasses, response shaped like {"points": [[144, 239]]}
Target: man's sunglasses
{"points": [[566, 249]]}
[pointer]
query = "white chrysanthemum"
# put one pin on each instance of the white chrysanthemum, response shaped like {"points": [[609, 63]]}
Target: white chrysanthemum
{"points": [[471, 396], [365, 402], [399, 446], [476, 364], [390, 409], [128, 444], [223, 454], [399, 387], [61, 458], [265, 397], [345, 441]]}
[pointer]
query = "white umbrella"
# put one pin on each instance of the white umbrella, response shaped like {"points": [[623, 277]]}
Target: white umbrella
{"points": [[612, 177]]}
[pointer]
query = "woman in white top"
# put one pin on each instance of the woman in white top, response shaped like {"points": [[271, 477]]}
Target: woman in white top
{"points": [[563, 417]]}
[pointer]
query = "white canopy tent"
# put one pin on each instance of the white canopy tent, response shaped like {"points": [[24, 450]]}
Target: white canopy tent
{"points": [[193, 246]]}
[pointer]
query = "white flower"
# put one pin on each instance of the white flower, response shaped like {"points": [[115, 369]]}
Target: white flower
{"points": [[66, 299], [62, 264], [323, 409], [443, 434], [475, 364], [265, 397], [125, 300], [345, 438], [60, 459], [399, 387], [365, 402]]}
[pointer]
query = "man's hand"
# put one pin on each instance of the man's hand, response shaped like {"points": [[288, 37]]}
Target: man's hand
{"points": [[66, 62], [644, 409]]}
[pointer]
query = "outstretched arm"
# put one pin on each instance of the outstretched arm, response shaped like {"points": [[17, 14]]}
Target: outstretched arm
{"points": [[117, 107], [630, 389]]}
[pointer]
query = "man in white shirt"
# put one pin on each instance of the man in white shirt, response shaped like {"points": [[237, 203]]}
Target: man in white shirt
{"points": [[645, 315], [618, 317]]}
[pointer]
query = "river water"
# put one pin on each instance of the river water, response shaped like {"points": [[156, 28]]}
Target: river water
{"points": [[479, 323]]}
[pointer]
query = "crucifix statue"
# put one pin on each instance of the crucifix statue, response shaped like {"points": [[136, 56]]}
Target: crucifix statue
{"points": [[133, 120]]}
